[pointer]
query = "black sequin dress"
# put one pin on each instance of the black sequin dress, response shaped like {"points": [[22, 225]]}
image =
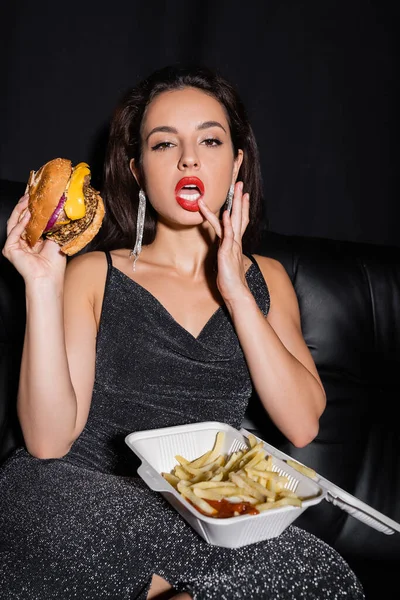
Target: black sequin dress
{"points": [[86, 527]]}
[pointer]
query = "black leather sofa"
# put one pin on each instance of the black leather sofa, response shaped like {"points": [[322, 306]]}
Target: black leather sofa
{"points": [[349, 296]]}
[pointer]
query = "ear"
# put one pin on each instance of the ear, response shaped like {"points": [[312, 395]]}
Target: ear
{"points": [[237, 164], [135, 171]]}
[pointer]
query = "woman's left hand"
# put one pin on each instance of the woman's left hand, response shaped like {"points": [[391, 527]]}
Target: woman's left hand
{"points": [[231, 280]]}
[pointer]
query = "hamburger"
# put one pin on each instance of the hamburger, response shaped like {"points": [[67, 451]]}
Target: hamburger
{"points": [[63, 205]]}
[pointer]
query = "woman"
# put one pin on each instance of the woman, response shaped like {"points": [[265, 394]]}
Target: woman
{"points": [[171, 324]]}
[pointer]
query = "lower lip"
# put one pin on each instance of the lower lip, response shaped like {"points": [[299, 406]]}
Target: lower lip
{"points": [[190, 205]]}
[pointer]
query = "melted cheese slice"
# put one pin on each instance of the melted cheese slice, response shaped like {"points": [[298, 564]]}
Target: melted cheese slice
{"points": [[74, 206]]}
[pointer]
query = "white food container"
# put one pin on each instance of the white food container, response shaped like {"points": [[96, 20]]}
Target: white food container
{"points": [[157, 448]]}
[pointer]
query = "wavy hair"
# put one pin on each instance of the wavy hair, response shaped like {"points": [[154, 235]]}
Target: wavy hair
{"points": [[119, 188]]}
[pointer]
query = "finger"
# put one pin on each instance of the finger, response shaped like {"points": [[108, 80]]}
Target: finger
{"points": [[236, 214], [18, 210], [23, 198], [228, 236], [17, 213], [245, 213], [19, 227], [14, 235], [211, 218]]}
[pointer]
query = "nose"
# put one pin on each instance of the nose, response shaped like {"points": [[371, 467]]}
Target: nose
{"points": [[188, 159]]}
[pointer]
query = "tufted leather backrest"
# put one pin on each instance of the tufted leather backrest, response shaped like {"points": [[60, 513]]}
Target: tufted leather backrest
{"points": [[349, 298]]}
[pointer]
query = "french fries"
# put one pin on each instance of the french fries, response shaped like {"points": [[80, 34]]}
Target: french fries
{"points": [[243, 482], [302, 468]]}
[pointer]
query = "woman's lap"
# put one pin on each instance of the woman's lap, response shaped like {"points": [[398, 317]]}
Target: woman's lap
{"points": [[74, 532]]}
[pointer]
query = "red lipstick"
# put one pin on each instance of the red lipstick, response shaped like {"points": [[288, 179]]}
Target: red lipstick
{"points": [[188, 191]]}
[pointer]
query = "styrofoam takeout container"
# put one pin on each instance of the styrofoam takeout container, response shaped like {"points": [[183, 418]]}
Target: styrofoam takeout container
{"points": [[157, 448]]}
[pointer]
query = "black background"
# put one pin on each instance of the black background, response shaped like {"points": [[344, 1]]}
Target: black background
{"points": [[318, 79]]}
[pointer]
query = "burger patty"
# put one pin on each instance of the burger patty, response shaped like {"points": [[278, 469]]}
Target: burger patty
{"points": [[71, 230]]}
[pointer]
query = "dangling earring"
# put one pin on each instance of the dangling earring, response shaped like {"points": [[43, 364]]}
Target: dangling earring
{"points": [[229, 199], [139, 228]]}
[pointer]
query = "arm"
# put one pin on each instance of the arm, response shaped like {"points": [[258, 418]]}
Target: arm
{"points": [[280, 364], [279, 361], [57, 369]]}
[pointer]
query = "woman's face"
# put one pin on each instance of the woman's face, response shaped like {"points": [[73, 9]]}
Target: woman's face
{"points": [[187, 152]]}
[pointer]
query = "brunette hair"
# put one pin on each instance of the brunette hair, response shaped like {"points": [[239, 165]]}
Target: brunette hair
{"points": [[119, 188]]}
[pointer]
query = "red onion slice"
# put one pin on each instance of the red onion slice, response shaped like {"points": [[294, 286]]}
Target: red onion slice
{"points": [[55, 214]]}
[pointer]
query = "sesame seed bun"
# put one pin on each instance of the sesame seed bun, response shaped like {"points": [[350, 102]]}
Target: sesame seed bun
{"points": [[45, 188]]}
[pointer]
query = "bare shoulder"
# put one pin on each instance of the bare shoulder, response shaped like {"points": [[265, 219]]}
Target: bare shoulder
{"points": [[87, 272], [87, 264], [273, 271]]}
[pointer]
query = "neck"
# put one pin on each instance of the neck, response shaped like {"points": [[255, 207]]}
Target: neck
{"points": [[190, 251]]}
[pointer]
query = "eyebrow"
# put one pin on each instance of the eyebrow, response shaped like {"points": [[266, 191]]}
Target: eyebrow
{"points": [[200, 127]]}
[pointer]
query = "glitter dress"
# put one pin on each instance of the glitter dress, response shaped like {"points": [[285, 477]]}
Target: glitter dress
{"points": [[86, 527]]}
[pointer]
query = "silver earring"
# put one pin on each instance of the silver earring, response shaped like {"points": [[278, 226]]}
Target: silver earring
{"points": [[229, 199], [139, 228]]}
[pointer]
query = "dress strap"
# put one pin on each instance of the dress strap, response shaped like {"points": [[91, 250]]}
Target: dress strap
{"points": [[109, 259], [260, 291], [253, 260]]}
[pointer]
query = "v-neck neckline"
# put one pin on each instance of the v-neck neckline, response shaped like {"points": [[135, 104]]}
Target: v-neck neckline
{"points": [[161, 306]]}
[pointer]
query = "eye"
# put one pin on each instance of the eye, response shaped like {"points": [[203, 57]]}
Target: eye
{"points": [[162, 146], [211, 142]]}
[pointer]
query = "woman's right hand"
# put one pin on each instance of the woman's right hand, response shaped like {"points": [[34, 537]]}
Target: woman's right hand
{"points": [[44, 260]]}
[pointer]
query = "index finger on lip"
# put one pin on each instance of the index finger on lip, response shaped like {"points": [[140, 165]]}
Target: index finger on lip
{"points": [[211, 218], [203, 208]]}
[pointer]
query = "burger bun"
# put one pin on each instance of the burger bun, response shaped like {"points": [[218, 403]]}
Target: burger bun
{"points": [[45, 188]]}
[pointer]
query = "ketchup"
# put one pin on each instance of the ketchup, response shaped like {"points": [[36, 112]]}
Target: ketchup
{"points": [[226, 509]]}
